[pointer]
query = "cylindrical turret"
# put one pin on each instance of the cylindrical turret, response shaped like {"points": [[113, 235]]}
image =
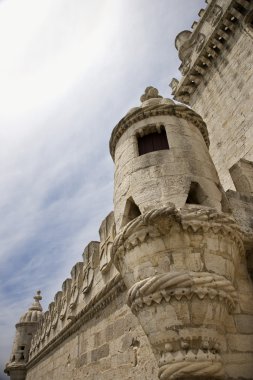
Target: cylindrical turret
{"points": [[175, 249], [160, 150], [25, 329]]}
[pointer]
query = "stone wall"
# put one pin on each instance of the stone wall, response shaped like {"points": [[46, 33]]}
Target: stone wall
{"points": [[112, 345], [88, 330], [224, 100], [217, 79]]}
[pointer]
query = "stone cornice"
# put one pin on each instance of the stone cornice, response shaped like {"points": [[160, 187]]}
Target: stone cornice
{"points": [[158, 222], [14, 366], [156, 110], [217, 25], [181, 285], [99, 302]]}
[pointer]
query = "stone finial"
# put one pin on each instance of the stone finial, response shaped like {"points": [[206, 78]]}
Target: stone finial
{"points": [[150, 93], [36, 304]]}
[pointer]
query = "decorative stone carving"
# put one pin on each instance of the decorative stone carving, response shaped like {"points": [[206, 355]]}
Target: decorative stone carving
{"points": [[173, 85], [76, 275], [200, 41], [153, 110], [185, 67], [215, 15], [184, 44], [66, 289], [46, 326], [150, 93], [182, 298], [181, 285], [107, 235], [56, 309], [91, 260], [37, 339]]}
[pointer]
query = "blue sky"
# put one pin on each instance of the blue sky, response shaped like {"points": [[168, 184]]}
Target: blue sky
{"points": [[69, 71]]}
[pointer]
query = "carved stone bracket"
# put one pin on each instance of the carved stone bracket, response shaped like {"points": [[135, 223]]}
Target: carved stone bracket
{"points": [[159, 221], [182, 311]]}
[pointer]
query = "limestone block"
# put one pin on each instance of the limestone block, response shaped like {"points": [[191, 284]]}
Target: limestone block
{"points": [[244, 323], [240, 342]]}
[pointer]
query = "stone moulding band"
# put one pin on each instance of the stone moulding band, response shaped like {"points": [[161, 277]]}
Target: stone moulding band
{"points": [[222, 31], [193, 219], [190, 368], [99, 302], [176, 285], [157, 110]]}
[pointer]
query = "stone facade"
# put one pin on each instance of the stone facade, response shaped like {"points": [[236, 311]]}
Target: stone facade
{"points": [[167, 292], [217, 79]]}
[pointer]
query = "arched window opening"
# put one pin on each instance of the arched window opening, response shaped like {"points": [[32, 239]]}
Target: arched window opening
{"points": [[151, 142], [196, 195], [131, 212]]}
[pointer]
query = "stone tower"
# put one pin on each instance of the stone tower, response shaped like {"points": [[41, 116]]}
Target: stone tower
{"points": [[25, 329], [166, 293], [216, 66], [181, 257]]}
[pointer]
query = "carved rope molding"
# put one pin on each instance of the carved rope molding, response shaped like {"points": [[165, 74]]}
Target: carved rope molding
{"points": [[181, 284], [194, 219], [199, 367], [99, 302], [157, 110]]}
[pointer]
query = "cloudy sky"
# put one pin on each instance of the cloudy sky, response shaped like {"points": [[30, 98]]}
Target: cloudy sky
{"points": [[69, 70]]}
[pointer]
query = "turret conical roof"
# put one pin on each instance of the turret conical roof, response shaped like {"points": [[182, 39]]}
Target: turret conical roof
{"points": [[34, 312]]}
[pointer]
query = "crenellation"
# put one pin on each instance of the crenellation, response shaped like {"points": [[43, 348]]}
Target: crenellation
{"points": [[107, 234], [198, 49]]}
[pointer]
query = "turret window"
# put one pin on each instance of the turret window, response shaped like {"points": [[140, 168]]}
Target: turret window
{"points": [[153, 141]]}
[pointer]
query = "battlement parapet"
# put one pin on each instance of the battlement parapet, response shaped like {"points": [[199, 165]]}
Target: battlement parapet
{"points": [[94, 283], [199, 48]]}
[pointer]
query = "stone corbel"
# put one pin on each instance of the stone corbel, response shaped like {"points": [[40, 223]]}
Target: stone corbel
{"points": [[180, 296]]}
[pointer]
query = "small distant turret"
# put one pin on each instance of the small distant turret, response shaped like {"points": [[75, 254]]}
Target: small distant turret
{"points": [[25, 328]]}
